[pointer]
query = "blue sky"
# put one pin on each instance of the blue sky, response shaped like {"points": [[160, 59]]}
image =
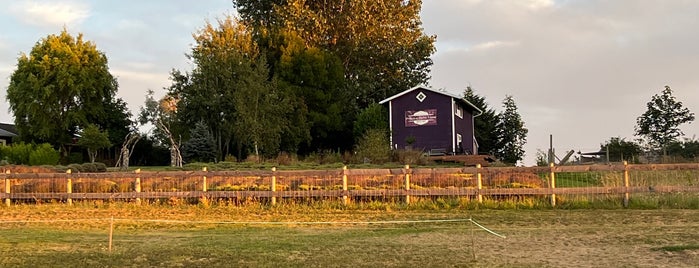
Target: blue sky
{"points": [[581, 70]]}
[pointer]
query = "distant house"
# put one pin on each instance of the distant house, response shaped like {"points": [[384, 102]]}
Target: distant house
{"points": [[7, 133], [435, 121]]}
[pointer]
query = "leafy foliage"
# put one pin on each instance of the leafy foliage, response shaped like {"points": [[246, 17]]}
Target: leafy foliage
{"points": [[687, 149], [374, 147], [512, 135], [620, 149], [231, 91], [484, 124], [373, 117], [660, 123], [162, 115], [334, 58], [200, 147], [61, 86], [30, 154], [93, 139]]}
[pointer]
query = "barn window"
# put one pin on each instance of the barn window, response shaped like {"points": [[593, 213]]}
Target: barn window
{"points": [[459, 112], [421, 96]]}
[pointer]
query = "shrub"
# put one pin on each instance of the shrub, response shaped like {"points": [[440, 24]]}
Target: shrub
{"points": [[101, 167], [374, 147], [17, 153], [75, 168], [43, 154]]}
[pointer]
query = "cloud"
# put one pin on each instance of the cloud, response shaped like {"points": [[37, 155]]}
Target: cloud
{"points": [[50, 13], [494, 44]]}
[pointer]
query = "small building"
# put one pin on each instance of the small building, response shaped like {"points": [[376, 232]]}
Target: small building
{"points": [[437, 122], [7, 133]]}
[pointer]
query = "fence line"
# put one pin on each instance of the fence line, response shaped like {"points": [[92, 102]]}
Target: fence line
{"points": [[347, 184]]}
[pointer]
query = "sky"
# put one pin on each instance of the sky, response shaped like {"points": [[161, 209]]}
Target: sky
{"points": [[580, 70]]}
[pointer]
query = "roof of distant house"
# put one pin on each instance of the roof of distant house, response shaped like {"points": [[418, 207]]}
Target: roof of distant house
{"points": [[8, 130]]}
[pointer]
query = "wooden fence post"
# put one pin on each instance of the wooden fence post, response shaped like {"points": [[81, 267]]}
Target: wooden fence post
{"points": [[479, 176], [204, 187], [553, 184], [345, 199], [274, 185], [69, 188], [137, 185], [8, 201], [407, 184], [626, 184]]}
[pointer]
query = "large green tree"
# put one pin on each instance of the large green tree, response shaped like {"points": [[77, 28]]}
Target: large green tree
{"points": [[62, 85], [659, 125], [231, 91], [381, 43], [511, 133], [484, 124]]}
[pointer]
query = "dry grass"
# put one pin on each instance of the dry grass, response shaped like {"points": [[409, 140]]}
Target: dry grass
{"points": [[59, 235]]}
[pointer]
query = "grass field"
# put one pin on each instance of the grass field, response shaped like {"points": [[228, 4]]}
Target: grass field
{"points": [[250, 236]]}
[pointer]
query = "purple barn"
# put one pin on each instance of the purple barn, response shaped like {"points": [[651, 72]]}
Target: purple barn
{"points": [[434, 121]]}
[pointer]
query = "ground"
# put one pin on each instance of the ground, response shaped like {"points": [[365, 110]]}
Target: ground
{"points": [[59, 235]]}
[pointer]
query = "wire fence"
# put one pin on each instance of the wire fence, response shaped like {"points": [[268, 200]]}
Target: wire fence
{"points": [[557, 185]]}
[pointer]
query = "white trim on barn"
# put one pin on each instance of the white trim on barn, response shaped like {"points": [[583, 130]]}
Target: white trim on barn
{"points": [[453, 126], [390, 126]]}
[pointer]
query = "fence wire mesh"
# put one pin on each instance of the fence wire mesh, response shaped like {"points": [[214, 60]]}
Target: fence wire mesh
{"points": [[562, 185]]}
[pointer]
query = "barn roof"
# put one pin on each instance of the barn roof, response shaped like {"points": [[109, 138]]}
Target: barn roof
{"points": [[459, 98]]}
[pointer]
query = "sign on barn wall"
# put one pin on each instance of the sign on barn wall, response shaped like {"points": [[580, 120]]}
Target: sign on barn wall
{"points": [[426, 117]]}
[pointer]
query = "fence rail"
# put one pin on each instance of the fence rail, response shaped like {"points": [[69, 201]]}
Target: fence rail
{"points": [[348, 184]]}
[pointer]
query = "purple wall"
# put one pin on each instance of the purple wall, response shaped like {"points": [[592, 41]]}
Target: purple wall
{"points": [[429, 134]]}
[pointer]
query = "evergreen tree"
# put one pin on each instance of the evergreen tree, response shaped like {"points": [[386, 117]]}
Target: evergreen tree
{"points": [[512, 135], [485, 124], [200, 147]]}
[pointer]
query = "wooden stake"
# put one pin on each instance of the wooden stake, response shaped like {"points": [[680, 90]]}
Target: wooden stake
{"points": [[111, 233]]}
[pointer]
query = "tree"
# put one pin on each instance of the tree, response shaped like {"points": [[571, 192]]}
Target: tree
{"points": [[687, 149], [200, 147], [484, 124], [619, 149], [162, 115], [373, 117], [93, 139], [660, 123], [380, 43], [374, 147], [59, 87], [511, 133], [231, 90]]}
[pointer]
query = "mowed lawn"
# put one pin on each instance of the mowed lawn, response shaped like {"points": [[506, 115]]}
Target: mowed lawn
{"points": [[191, 236]]}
